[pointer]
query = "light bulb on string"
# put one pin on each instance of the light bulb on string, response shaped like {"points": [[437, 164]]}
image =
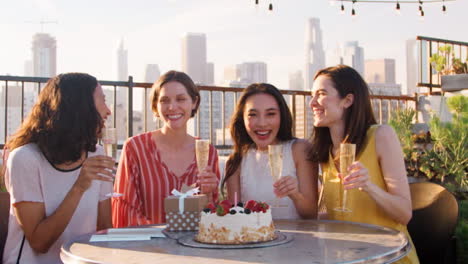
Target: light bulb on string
{"points": [[342, 9], [270, 7], [398, 12]]}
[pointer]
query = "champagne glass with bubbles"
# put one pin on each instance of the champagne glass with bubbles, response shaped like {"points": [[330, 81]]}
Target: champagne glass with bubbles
{"points": [[109, 140], [347, 156], [275, 159], [202, 150]]}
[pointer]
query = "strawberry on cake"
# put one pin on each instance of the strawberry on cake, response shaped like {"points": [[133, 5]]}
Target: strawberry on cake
{"points": [[225, 223]]}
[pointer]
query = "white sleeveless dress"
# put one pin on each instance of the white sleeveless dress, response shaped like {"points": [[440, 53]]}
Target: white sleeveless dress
{"points": [[257, 182]]}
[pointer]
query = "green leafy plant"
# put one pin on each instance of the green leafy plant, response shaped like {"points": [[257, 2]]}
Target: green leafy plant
{"points": [[445, 62], [447, 161], [440, 155]]}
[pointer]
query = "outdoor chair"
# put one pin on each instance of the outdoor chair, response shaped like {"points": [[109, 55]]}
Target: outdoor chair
{"points": [[432, 227], [4, 214]]}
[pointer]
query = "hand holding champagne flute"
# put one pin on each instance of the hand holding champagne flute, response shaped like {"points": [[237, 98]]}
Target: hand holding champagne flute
{"points": [[109, 140], [275, 158], [347, 156], [202, 151]]}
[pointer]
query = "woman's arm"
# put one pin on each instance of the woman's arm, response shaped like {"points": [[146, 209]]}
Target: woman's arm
{"points": [[303, 191], [396, 202], [41, 231], [104, 220]]}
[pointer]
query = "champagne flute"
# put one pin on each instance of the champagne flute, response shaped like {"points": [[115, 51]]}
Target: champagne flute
{"points": [[202, 151], [275, 158], [109, 140], [347, 156]]}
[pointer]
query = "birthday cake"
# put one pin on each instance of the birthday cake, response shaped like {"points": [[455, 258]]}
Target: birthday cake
{"points": [[225, 223]]}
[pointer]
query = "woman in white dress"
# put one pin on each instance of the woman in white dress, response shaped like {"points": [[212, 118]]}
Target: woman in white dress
{"points": [[263, 118]]}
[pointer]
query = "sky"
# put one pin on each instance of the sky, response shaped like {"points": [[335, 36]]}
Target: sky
{"points": [[88, 32]]}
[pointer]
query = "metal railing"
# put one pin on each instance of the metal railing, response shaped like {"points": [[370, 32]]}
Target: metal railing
{"points": [[18, 95], [428, 46]]}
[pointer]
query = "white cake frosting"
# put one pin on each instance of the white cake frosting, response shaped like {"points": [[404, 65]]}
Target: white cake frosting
{"points": [[238, 228]]}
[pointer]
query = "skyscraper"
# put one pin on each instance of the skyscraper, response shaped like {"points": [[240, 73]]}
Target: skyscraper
{"points": [[412, 69], [353, 55], [380, 71], [152, 73], [194, 56], [122, 62], [44, 51], [314, 54], [253, 72], [296, 81]]}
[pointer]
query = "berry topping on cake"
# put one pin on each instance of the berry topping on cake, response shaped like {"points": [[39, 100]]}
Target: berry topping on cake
{"points": [[262, 207], [240, 204], [232, 212], [247, 211], [226, 204], [250, 205], [221, 210], [212, 207]]}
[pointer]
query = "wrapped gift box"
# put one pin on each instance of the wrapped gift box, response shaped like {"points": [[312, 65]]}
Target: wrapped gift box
{"points": [[189, 218]]}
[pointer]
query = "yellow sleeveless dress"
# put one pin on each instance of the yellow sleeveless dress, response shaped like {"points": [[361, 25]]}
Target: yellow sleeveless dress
{"points": [[364, 209]]}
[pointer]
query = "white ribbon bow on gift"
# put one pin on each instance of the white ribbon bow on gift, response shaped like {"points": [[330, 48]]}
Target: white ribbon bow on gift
{"points": [[182, 196]]}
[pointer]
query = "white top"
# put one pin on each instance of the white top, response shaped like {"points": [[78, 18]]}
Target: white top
{"points": [[30, 177], [257, 182]]}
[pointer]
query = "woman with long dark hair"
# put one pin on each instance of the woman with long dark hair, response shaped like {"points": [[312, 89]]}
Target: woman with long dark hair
{"points": [[376, 184], [56, 175], [262, 118]]}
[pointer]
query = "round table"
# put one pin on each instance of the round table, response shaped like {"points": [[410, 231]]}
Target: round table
{"points": [[313, 242]]}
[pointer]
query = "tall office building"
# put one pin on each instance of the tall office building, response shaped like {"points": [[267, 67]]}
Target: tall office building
{"points": [[152, 73], [314, 54], [122, 62], [380, 71], [209, 77], [303, 114], [412, 69], [252, 72], [231, 74], [296, 81], [44, 52], [353, 55], [194, 56]]}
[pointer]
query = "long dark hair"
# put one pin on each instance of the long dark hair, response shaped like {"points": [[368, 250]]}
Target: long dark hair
{"points": [[64, 122], [241, 140], [358, 117]]}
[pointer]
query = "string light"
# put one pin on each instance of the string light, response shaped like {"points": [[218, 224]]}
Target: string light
{"points": [[398, 8], [270, 7], [397, 4]]}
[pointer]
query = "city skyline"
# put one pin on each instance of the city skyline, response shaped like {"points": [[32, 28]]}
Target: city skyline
{"points": [[235, 33]]}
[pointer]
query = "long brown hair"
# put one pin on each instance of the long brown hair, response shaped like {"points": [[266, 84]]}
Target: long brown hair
{"points": [[64, 122], [241, 140], [358, 117]]}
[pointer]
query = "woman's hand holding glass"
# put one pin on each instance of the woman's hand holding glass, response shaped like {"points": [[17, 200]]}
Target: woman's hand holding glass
{"points": [[207, 181], [95, 168], [358, 177], [286, 186]]}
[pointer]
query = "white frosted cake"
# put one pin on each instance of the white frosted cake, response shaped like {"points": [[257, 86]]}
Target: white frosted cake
{"points": [[227, 224]]}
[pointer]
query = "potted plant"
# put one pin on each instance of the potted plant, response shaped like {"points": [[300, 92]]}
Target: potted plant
{"points": [[454, 71]]}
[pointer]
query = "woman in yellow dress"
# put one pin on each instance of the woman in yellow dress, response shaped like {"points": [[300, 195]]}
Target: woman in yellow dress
{"points": [[376, 183]]}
